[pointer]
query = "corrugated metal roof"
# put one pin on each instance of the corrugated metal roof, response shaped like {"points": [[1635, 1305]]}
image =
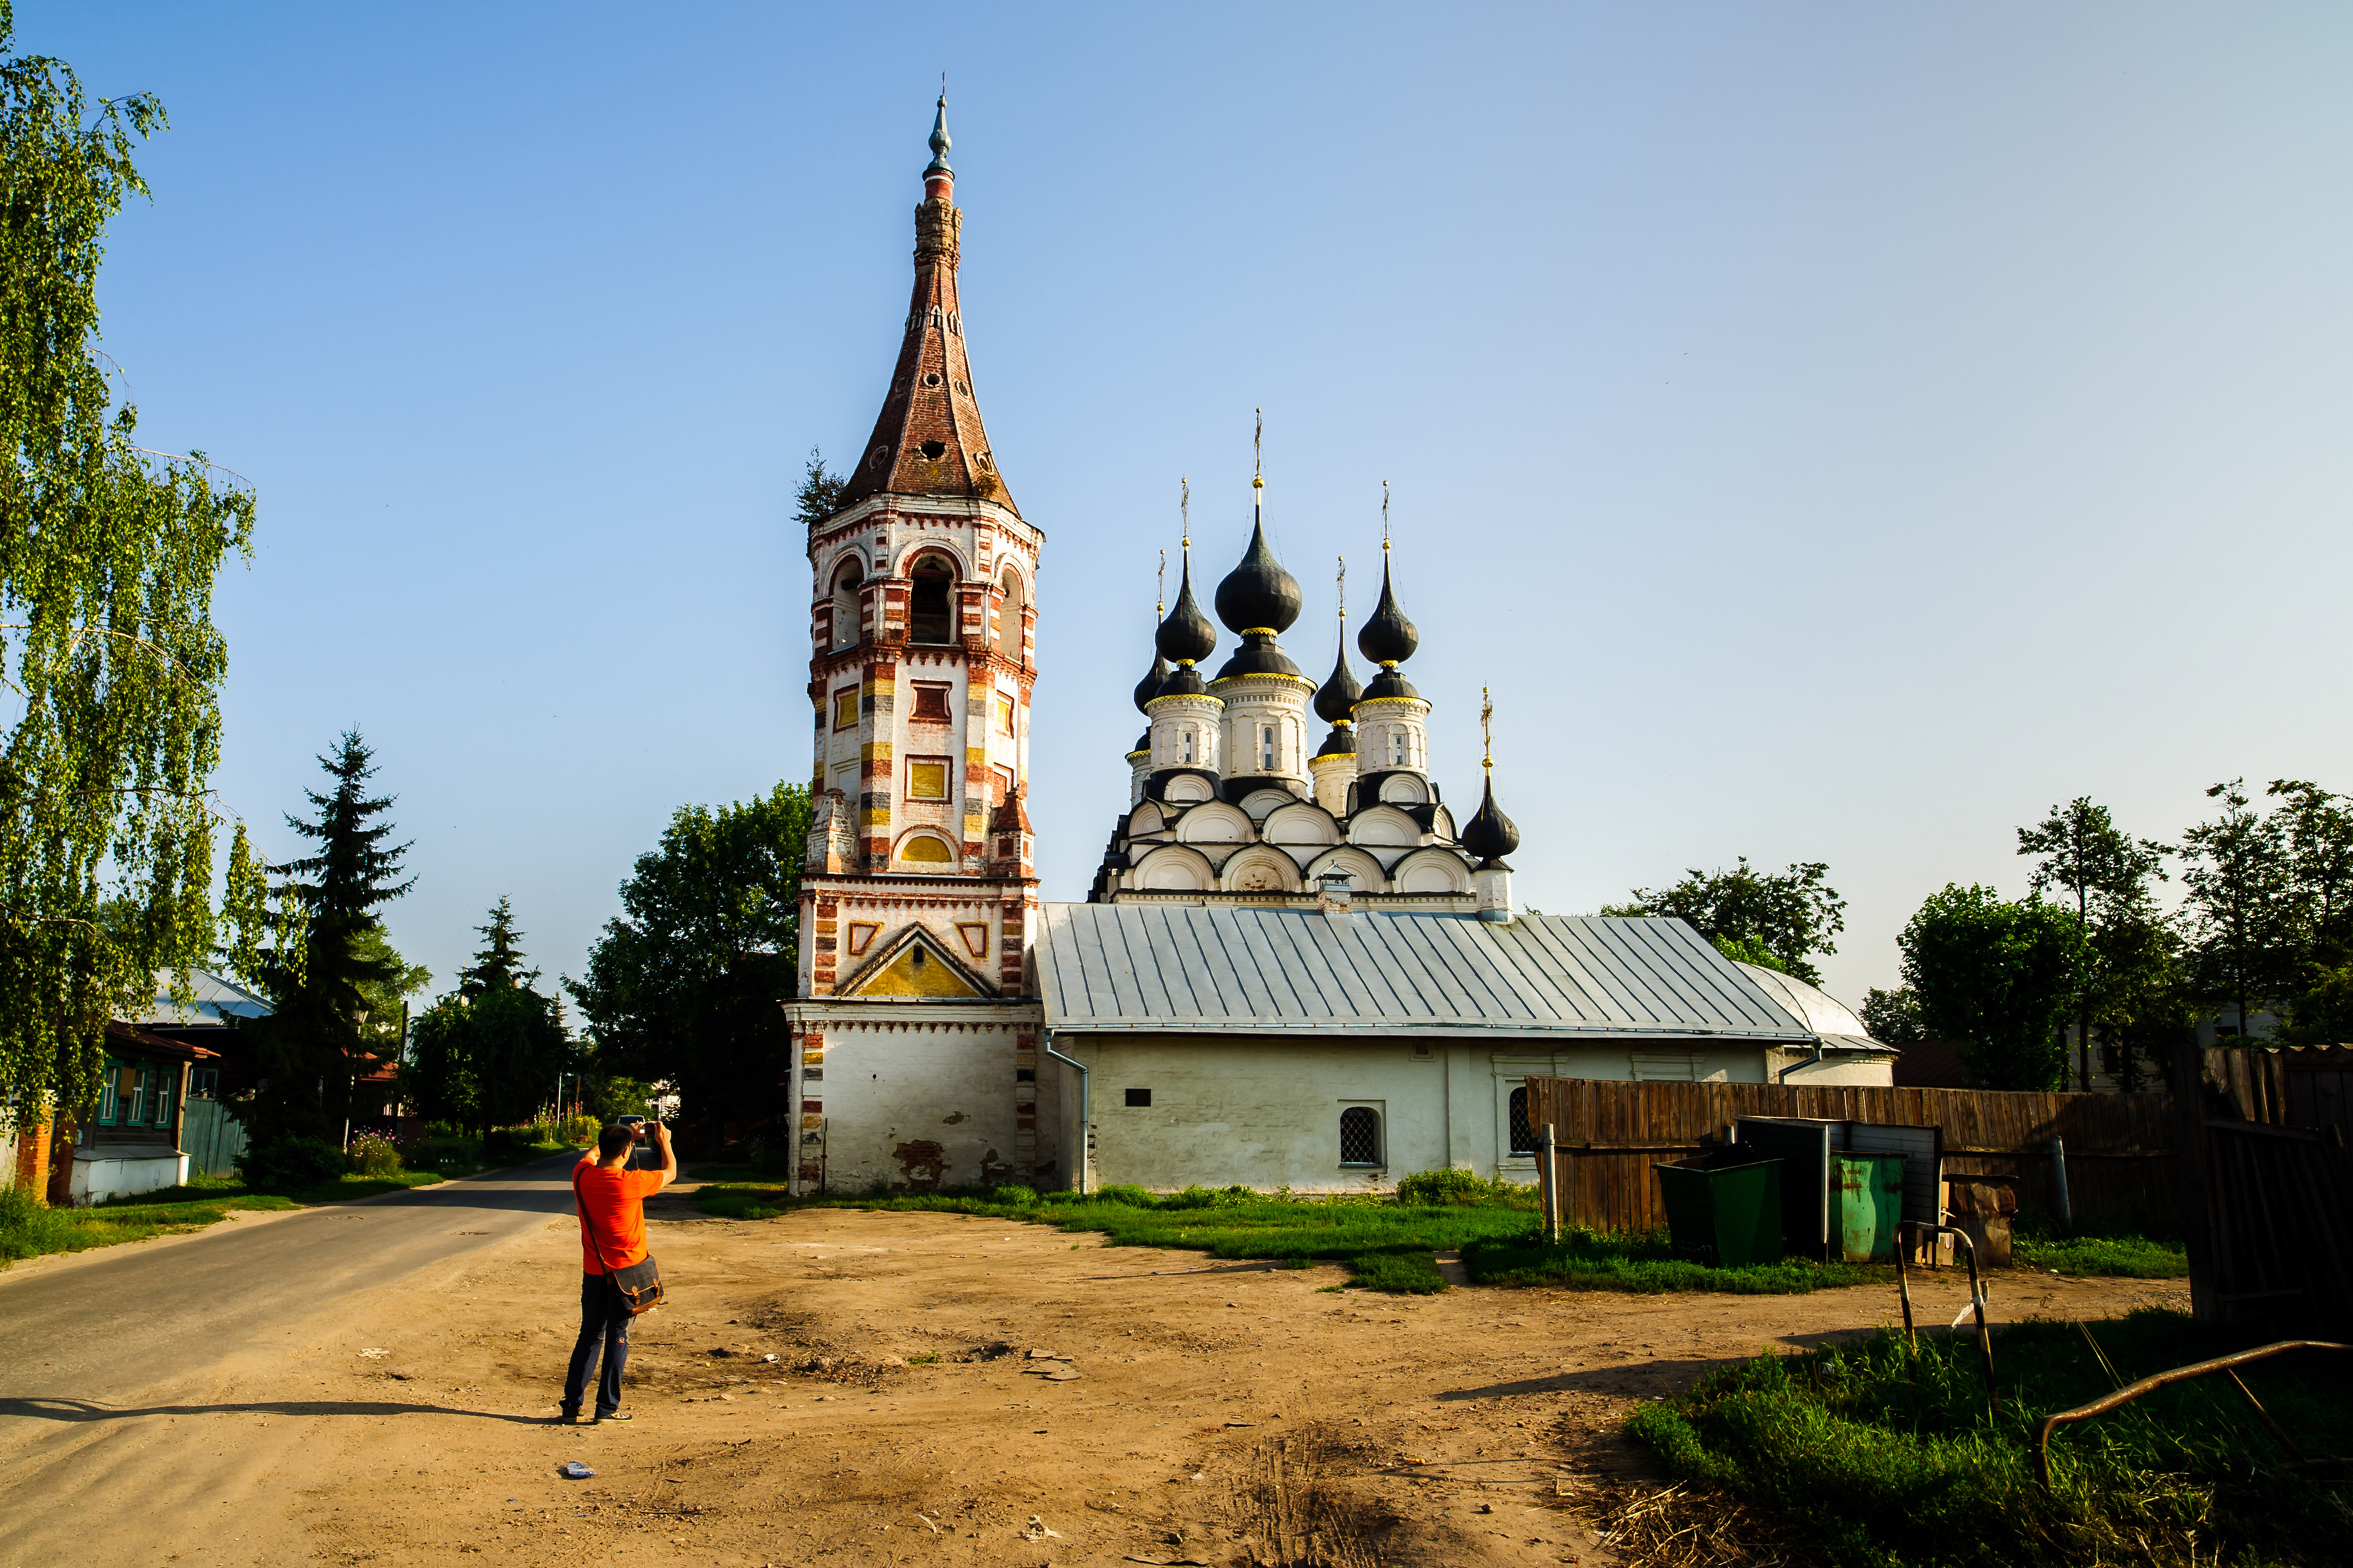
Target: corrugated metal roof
{"points": [[217, 1001], [1162, 967]]}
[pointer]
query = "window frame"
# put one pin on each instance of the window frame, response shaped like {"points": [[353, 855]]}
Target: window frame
{"points": [[846, 701], [1374, 1110], [947, 782]]}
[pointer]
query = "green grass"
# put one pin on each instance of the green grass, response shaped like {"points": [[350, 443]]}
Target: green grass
{"points": [[2116, 1254], [1644, 1264], [29, 1229], [1877, 1457], [1386, 1244]]}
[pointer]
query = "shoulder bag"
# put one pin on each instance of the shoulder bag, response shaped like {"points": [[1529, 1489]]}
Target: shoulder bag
{"points": [[640, 1283]]}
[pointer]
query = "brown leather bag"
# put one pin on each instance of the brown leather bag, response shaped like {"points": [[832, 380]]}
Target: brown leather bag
{"points": [[640, 1283]]}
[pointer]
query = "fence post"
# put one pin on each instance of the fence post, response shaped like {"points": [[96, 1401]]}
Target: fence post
{"points": [[2058, 1183], [1548, 1181]]}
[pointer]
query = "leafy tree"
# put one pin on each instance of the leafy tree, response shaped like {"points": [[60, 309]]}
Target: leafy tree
{"points": [[1893, 1016], [1748, 950], [2106, 875], [1787, 914], [313, 1047], [820, 492], [2240, 913], [1997, 976], [2318, 828], [686, 984], [383, 998], [486, 1060], [108, 651]]}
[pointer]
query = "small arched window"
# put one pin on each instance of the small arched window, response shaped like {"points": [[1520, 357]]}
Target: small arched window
{"points": [[1009, 614], [928, 617], [1523, 1137], [1360, 1136], [848, 616]]}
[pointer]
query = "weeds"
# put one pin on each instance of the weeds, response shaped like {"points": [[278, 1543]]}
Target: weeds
{"points": [[1584, 1260], [2098, 1250], [1870, 1453]]}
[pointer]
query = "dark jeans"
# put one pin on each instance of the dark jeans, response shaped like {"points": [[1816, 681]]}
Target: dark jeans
{"points": [[604, 1325]]}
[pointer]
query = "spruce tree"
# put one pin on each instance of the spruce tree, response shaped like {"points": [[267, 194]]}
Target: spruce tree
{"points": [[313, 1047]]}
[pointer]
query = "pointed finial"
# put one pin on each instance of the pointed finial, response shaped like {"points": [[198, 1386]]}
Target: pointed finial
{"points": [[1384, 516], [1160, 599], [1487, 729], [1342, 595], [1258, 452], [939, 180], [1184, 509]]}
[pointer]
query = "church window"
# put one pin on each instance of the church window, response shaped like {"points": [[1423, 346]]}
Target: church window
{"points": [[1523, 1137], [931, 703], [1139, 1097], [935, 450], [845, 708], [928, 778], [928, 619], [1009, 614], [1266, 747], [1397, 748], [1360, 1136], [849, 627], [930, 378], [1188, 748]]}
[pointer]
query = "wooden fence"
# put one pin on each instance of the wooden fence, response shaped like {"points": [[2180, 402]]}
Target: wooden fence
{"points": [[2119, 1147], [2311, 1085]]}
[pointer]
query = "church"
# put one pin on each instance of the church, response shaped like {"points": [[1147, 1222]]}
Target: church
{"points": [[1293, 968]]}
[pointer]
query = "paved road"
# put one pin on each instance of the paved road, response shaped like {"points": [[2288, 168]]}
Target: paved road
{"points": [[106, 1327]]}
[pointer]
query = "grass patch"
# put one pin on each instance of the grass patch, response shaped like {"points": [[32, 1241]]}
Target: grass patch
{"points": [[1877, 1457], [30, 1229], [2118, 1254], [1584, 1260]]}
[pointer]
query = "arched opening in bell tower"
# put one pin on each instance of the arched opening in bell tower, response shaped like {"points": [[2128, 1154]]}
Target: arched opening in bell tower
{"points": [[928, 617], [1009, 614], [849, 618]]}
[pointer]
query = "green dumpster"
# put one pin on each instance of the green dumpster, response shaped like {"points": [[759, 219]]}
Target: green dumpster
{"points": [[1866, 1200], [1720, 1214]]}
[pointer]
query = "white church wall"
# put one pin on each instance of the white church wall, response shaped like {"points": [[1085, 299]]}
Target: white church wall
{"points": [[932, 1097]]}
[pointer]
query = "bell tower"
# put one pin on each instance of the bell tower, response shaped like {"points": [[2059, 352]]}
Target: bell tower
{"points": [[922, 629]]}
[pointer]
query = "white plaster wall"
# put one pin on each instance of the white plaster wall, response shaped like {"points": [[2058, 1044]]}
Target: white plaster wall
{"points": [[899, 1098], [1247, 1111], [99, 1177], [1834, 1072]]}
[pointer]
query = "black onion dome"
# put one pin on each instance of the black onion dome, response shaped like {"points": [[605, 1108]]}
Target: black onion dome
{"points": [[1338, 695], [1259, 594], [1261, 655], [1490, 835], [1389, 638], [1149, 687], [1184, 681], [1340, 742], [1186, 636], [1389, 683], [1142, 743]]}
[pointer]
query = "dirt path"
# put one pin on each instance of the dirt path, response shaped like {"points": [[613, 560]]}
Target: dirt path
{"points": [[1216, 1409]]}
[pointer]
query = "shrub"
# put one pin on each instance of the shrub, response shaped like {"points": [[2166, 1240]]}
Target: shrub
{"points": [[1016, 1195], [447, 1153], [290, 1162], [579, 1131], [1122, 1193], [374, 1154], [28, 1226], [1452, 1186]]}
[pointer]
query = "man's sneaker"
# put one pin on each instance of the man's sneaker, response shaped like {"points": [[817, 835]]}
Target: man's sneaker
{"points": [[615, 1415]]}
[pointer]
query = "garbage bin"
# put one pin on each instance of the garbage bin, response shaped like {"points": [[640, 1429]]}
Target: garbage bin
{"points": [[1866, 1202], [1722, 1213]]}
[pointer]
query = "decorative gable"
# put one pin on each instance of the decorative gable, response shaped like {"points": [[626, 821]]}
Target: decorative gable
{"points": [[916, 964]]}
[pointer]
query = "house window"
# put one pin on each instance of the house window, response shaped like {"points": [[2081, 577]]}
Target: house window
{"points": [[107, 1085], [1523, 1137], [1266, 747], [927, 611], [1139, 1097], [845, 708], [136, 1080], [928, 778], [204, 1083], [931, 703], [1360, 1136]]}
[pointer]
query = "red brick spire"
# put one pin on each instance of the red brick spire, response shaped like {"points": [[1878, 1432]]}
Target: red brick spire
{"points": [[928, 440]]}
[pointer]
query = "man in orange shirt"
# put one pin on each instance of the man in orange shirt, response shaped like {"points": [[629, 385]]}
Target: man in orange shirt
{"points": [[611, 1201]]}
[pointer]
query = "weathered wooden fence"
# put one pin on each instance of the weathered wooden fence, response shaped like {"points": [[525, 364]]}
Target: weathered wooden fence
{"points": [[2311, 1085], [2118, 1148], [2268, 1213], [212, 1138]]}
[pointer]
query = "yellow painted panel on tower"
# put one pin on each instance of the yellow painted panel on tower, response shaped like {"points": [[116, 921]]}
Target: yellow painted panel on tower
{"points": [[918, 972], [927, 779], [925, 850], [845, 709]]}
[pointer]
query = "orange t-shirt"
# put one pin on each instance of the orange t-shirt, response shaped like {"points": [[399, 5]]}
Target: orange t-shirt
{"points": [[615, 1201]]}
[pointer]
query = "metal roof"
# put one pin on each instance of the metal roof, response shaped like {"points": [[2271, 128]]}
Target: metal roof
{"points": [[1159, 968], [217, 1001], [1833, 1020]]}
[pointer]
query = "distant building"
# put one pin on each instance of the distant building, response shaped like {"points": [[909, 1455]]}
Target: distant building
{"points": [[1295, 965]]}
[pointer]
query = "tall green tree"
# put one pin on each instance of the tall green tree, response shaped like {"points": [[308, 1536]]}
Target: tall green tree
{"points": [[2105, 874], [819, 496], [1791, 915], [317, 1042], [2317, 826], [686, 985], [109, 657], [487, 1054], [1998, 976], [2241, 915], [1893, 1016]]}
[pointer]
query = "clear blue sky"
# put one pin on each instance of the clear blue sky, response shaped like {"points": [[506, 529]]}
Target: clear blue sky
{"points": [[1835, 432]]}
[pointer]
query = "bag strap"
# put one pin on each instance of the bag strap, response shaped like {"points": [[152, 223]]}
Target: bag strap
{"points": [[586, 1225]]}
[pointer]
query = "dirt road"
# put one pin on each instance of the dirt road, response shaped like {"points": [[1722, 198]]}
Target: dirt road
{"points": [[1217, 1410]]}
